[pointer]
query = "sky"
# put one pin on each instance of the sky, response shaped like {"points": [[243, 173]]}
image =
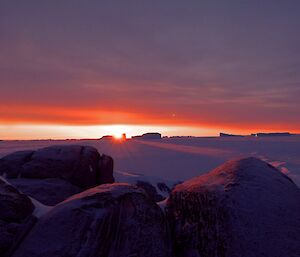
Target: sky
{"points": [[71, 68]]}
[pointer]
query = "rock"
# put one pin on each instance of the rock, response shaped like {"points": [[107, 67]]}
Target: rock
{"points": [[74, 163], [15, 217], [157, 189], [11, 165], [109, 220], [163, 187], [80, 165], [106, 166], [243, 208], [49, 191], [150, 190]]}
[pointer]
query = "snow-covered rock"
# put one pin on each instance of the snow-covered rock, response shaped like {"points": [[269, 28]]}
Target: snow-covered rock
{"points": [[15, 217], [245, 207], [109, 220]]}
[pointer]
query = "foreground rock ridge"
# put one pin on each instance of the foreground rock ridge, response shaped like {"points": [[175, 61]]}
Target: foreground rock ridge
{"points": [[245, 207], [108, 220], [16, 218], [72, 167]]}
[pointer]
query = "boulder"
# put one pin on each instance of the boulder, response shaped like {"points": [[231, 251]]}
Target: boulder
{"points": [[109, 220], [49, 191], [150, 190], [163, 187], [245, 207], [11, 165], [15, 217], [82, 166], [106, 169], [74, 163], [158, 189]]}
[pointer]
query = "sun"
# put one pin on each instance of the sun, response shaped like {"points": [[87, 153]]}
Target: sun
{"points": [[118, 132], [118, 135]]}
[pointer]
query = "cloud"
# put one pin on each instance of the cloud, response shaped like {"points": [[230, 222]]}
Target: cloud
{"points": [[207, 62]]}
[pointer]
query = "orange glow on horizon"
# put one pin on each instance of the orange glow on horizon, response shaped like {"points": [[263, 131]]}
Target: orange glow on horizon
{"points": [[49, 115], [31, 122], [31, 132]]}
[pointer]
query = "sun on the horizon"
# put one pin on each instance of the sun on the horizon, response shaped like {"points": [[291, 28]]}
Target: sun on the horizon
{"points": [[118, 131], [118, 135]]}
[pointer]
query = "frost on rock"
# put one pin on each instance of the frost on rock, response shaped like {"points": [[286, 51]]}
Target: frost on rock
{"points": [[245, 207], [109, 220]]}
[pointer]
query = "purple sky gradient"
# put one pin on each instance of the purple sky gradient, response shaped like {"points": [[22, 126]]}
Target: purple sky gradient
{"points": [[205, 63]]}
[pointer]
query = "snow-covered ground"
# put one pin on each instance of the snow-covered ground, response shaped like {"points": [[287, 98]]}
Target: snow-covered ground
{"points": [[178, 159]]}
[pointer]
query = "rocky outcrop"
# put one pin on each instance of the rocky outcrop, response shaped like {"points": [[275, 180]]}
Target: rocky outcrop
{"points": [[109, 220], [243, 208], [82, 166], [49, 191], [156, 188], [15, 217], [54, 173], [163, 187], [150, 190], [106, 169], [11, 165]]}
